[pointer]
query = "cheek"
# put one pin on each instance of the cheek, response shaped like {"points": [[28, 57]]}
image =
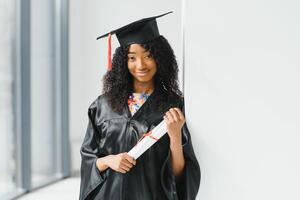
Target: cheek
{"points": [[151, 64], [154, 70], [130, 67], [153, 67]]}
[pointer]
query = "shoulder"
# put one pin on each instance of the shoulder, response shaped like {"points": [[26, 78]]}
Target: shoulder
{"points": [[177, 100], [165, 100], [101, 109], [97, 103]]}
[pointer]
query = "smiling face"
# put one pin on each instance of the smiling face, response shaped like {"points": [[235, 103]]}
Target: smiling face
{"points": [[141, 65]]}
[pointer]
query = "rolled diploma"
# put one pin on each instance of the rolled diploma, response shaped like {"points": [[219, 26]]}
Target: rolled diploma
{"points": [[147, 141]]}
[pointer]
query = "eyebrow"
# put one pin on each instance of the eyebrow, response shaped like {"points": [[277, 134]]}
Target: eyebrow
{"points": [[135, 52]]}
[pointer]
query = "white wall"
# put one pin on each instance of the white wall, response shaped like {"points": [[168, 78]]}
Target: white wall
{"points": [[242, 97], [7, 165], [88, 57]]}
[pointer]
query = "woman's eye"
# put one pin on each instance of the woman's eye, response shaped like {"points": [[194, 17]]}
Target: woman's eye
{"points": [[148, 56], [131, 58]]}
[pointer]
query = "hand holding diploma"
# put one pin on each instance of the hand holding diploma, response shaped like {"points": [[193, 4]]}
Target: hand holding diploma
{"points": [[148, 140], [172, 123]]}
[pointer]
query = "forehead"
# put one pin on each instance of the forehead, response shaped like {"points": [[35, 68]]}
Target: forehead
{"points": [[136, 48]]}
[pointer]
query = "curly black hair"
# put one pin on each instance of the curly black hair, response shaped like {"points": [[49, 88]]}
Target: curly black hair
{"points": [[118, 83]]}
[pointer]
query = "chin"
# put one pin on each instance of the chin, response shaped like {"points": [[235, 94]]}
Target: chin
{"points": [[144, 79]]}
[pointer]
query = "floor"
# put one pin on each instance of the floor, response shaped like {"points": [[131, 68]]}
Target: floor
{"points": [[67, 189]]}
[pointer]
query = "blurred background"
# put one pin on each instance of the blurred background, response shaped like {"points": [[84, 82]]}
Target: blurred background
{"points": [[239, 70]]}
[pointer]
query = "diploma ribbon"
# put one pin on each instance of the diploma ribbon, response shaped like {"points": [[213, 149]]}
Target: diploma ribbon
{"points": [[149, 134]]}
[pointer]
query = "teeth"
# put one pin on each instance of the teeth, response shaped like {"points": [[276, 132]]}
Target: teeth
{"points": [[142, 73]]}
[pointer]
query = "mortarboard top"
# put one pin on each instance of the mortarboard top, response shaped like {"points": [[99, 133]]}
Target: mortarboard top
{"points": [[137, 32]]}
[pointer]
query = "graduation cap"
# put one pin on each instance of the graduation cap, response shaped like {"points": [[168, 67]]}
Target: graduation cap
{"points": [[137, 32]]}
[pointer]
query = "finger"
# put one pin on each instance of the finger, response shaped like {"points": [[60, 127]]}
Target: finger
{"points": [[121, 171], [169, 117], [130, 159], [181, 116], [124, 167], [126, 157], [166, 119], [174, 114], [126, 163]]}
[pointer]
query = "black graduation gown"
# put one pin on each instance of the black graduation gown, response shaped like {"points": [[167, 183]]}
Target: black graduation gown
{"points": [[151, 178]]}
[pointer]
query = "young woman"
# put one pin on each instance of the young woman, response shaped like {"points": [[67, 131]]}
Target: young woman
{"points": [[139, 92]]}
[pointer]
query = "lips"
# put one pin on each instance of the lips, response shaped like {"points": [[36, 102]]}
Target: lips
{"points": [[144, 73]]}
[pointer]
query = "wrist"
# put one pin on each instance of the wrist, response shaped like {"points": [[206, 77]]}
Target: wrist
{"points": [[102, 163], [175, 142], [175, 138]]}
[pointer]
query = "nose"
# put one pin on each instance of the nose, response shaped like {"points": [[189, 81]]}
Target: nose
{"points": [[140, 65]]}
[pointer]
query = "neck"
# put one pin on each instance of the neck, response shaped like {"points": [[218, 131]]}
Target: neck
{"points": [[140, 87]]}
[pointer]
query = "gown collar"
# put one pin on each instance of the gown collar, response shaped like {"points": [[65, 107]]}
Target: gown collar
{"points": [[140, 110]]}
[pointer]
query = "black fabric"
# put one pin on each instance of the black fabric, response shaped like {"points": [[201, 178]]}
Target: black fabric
{"points": [[152, 177], [137, 32]]}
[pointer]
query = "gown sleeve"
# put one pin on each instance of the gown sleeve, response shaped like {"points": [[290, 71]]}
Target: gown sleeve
{"points": [[91, 177], [186, 188]]}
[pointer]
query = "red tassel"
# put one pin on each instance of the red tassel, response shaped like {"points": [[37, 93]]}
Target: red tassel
{"points": [[109, 67]]}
